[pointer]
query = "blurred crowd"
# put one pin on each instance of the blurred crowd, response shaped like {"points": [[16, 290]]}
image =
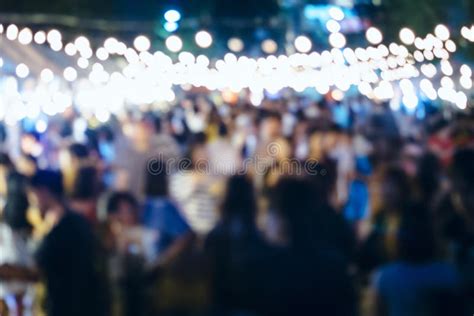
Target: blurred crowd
{"points": [[293, 206]]}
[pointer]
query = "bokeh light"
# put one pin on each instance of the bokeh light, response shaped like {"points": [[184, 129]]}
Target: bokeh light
{"points": [[174, 43], [373, 35], [203, 39], [142, 43], [303, 44]]}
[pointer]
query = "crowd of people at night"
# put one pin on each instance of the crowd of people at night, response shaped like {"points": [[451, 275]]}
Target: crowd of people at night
{"points": [[293, 206]]}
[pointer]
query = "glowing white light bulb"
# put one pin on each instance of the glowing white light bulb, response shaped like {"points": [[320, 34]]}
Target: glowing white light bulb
{"points": [[461, 100], [186, 58], [450, 46], [407, 36], [82, 62], [70, 49], [333, 26], [337, 40], [70, 74], [110, 44], [373, 35], [102, 53], [46, 75], [40, 37], [465, 82], [12, 32], [172, 16], [53, 37], [303, 44], [22, 71], [174, 43], [336, 13], [465, 70], [81, 43], [203, 39], [142, 43], [25, 36], [442, 32]]}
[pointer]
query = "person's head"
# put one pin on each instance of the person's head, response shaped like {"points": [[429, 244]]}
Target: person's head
{"points": [[156, 179], [29, 143], [72, 156], [197, 153], [293, 201], [86, 184], [428, 175], [122, 208], [270, 126], [46, 190], [393, 190], [143, 129], [331, 138], [322, 177], [239, 199], [78, 151], [16, 207], [416, 240]]}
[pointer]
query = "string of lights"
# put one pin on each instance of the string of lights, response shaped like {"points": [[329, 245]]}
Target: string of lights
{"points": [[141, 76]]}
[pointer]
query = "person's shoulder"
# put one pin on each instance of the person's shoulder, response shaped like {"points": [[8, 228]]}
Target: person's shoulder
{"points": [[386, 274], [390, 271], [390, 268], [164, 203]]}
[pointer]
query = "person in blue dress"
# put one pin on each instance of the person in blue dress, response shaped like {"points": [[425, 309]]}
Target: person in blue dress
{"points": [[162, 215]]}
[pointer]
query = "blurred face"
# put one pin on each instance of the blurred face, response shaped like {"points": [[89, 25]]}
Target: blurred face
{"points": [[124, 216], [330, 141], [300, 130], [271, 128], [29, 145]]}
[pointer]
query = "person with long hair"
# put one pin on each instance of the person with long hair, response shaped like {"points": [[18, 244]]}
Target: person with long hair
{"points": [[161, 215], [238, 253], [391, 195], [15, 241], [312, 275]]}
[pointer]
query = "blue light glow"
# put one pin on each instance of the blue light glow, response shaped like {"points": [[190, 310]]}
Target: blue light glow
{"points": [[171, 26]]}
